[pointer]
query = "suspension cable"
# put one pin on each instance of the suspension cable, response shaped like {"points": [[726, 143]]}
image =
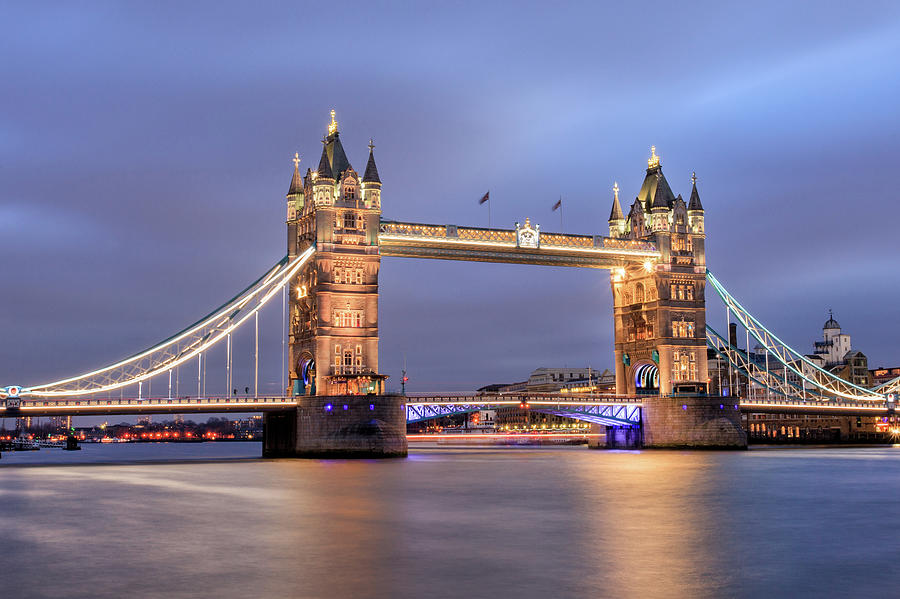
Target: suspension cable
{"points": [[809, 372], [172, 352]]}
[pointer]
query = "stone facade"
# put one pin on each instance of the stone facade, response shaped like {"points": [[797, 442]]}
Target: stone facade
{"points": [[660, 307], [333, 330], [692, 422], [349, 426]]}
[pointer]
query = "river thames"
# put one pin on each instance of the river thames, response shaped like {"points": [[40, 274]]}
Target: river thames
{"points": [[214, 520]]}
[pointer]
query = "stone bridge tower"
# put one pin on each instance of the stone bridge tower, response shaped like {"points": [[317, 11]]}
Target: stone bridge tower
{"points": [[333, 314], [660, 308]]}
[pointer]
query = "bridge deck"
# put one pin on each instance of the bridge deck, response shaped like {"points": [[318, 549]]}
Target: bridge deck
{"points": [[451, 242], [124, 407], [561, 401]]}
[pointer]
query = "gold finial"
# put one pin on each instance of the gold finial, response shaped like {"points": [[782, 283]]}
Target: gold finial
{"points": [[694, 177], [371, 144], [332, 127], [616, 190], [653, 161], [296, 160]]}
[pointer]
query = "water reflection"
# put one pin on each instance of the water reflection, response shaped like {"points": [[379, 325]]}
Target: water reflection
{"points": [[563, 522]]}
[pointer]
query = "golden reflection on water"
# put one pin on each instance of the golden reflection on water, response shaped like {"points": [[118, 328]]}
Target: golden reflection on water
{"points": [[488, 522], [651, 512]]}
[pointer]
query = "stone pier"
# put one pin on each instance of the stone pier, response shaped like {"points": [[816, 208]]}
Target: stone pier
{"points": [[697, 422], [624, 437], [343, 426]]}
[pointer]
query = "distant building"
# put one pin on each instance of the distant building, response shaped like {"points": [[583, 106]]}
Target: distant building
{"points": [[484, 420], [554, 380], [834, 354], [855, 368], [515, 418], [835, 345], [549, 380], [882, 375], [61, 422]]}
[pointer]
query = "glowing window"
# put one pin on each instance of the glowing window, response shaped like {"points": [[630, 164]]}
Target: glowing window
{"points": [[348, 318]]}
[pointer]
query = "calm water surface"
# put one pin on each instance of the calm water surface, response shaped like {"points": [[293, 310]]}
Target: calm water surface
{"points": [[214, 520]]}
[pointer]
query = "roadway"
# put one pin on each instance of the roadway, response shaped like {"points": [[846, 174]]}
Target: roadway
{"points": [[188, 405]]}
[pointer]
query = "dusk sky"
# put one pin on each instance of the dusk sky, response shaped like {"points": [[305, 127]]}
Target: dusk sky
{"points": [[145, 151]]}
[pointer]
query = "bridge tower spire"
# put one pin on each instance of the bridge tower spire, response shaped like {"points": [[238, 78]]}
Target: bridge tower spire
{"points": [[295, 196], [616, 218], [371, 182], [333, 326], [695, 209]]}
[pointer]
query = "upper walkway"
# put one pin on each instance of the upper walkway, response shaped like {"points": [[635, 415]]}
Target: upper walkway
{"points": [[523, 245]]}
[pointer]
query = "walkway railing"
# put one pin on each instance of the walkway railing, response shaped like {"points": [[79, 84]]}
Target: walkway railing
{"points": [[404, 232], [39, 407]]}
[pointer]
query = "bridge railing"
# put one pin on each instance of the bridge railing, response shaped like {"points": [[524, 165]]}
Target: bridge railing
{"points": [[524, 398], [392, 229], [27, 404], [801, 404]]}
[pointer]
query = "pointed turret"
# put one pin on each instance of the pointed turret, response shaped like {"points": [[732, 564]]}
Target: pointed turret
{"points": [[324, 171], [655, 191], [296, 181], [695, 209], [334, 150], [694, 203], [336, 156], [663, 200], [616, 218], [295, 198], [371, 182], [371, 174], [616, 212], [663, 197]]}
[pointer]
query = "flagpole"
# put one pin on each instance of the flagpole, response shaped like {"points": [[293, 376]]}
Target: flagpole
{"points": [[487, 198], [560, 215]]}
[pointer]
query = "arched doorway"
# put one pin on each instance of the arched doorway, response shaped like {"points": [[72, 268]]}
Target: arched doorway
{"points": [[306, 383], [646, 378]]}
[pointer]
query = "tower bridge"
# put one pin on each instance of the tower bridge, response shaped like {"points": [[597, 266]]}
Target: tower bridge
{"points": [[334, 401]]}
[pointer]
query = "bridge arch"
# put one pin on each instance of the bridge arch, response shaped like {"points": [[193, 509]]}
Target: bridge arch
{"points": [[645, 375], [306, 369]]}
